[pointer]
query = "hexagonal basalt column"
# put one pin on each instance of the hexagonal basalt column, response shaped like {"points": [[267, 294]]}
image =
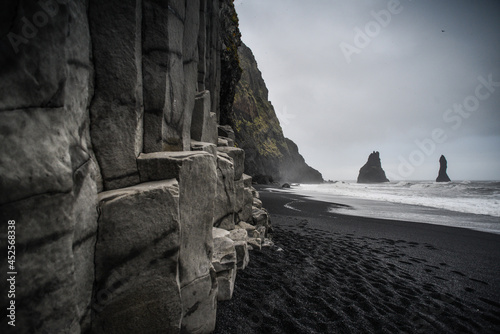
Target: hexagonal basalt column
{"points": [[196, 174], [137, 260]]}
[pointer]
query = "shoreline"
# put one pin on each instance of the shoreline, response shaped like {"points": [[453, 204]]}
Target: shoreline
{"points": [[336, 273], [395, 211]]}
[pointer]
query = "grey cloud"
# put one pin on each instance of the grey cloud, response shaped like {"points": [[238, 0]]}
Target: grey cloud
{"points": [[393, 93]]}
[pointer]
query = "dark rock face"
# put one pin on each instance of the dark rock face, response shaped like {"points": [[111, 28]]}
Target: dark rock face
{"points": [[443, 165], [99, 104], [372, 171], [230, 62], [269, 155]]}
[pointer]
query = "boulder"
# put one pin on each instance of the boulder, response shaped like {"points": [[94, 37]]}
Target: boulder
{"points": [[267, 243], [224, 261], [238, 156], [259, 217], [224, 256], [285, 186], [249, 228], [205, 147], [222, 142], [246, 213], [372, 171], [219, 233], [137, 258], [255, 193], [255, 243], [242, 256], [443, 165], [225, 141], [244, 199], [238, 234], [225, 282], [240, 237], [247, 180], [257, 203], [262, 230]]}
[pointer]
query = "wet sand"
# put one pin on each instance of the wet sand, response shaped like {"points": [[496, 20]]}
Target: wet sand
{"points": [[329, 273]]}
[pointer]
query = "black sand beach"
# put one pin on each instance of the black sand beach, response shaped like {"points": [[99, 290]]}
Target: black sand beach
{"points": [[329, 273]]}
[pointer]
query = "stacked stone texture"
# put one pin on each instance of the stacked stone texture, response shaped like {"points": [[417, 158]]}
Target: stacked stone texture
{"points": [[109, 165]]}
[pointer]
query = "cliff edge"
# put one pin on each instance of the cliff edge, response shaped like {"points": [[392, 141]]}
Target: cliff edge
{"points": [[269, 155]]}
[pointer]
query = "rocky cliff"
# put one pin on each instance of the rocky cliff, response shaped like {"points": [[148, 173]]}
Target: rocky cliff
{"points": [[442, 175], [372, 171], [113, 186], [269, 155]]}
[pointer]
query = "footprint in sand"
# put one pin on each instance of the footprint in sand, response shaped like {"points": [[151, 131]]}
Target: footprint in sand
{"points": [[303, 223], [431, 266], [458, 273], [478, 281], [490, 302], [417, 260]]}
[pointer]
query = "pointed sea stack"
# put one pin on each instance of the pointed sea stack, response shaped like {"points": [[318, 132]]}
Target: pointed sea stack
{"points": [[443, 164], [372, 171]]}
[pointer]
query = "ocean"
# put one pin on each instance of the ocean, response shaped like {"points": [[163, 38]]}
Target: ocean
{"points": [[467, 204]]}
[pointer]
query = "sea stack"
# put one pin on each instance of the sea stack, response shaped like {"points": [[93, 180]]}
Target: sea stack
{"points": [[372, 171], [443, 164]]}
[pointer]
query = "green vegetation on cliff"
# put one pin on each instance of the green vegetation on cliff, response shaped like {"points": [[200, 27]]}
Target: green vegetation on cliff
{"points": [[230, 38], [259, 133]]}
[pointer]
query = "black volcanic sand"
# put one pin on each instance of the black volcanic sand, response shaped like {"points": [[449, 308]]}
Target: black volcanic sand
{"points": [[329, 273]]}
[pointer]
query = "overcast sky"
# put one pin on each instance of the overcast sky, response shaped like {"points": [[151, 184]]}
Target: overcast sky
{"points": [[411, 79]]}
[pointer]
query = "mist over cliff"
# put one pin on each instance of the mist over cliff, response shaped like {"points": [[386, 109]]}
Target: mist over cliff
{"points": [[269, 155]]}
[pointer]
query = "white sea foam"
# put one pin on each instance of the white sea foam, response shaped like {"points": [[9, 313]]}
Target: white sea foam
{"points": [[472, 205], [482, 198]]}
